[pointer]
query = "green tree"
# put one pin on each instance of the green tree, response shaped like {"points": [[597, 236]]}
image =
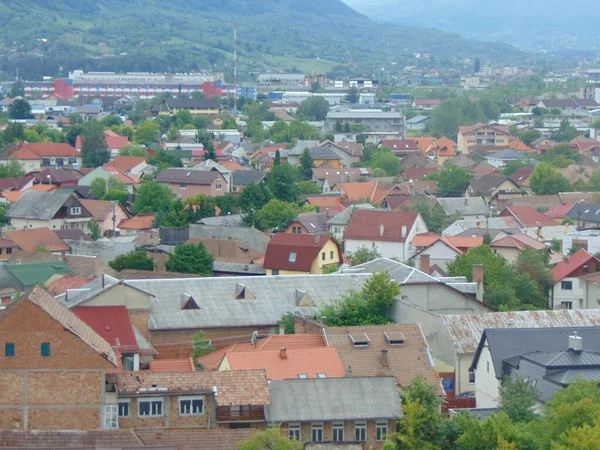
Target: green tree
{"points": [[14, 132], [227, 203], [134, 150], [529, 135], [163, 159], [191, 258], [94, 230], [147, 132], [282, 181], [352, 95], [254, 197], [111, 120], [306, 165], [383, 158], [206, 139], [308, 187], [93, 145], [560, 156], [4, 219], [518, 397], [586, 437], [512, 166], [451, 180], [496, 269], [270, 438], [277, 159], [289, 323], [17, 89], [363, 254], [13, 169], [565, 132], [135, 260], [20, 109], [276, 214], [545, 180], [595, 124], [152, 197], [200, 345], [314, 108], [100, 186], [433, 215]]}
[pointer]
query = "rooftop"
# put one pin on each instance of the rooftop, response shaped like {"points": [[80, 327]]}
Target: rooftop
{"points": [[39, 205], [571, 264], [112, 323], [35, 239], [295, 252], [392, 226]]}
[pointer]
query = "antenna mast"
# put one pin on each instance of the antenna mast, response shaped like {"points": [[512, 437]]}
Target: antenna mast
{"points": [[235, 65]]}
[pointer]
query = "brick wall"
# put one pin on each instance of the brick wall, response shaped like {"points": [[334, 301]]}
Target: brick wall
{"points": [[305, 326]]}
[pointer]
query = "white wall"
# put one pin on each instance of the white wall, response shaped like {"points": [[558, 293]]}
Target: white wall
{"points": [[574, 295], [385, 248], [486, 383], [439, 253], [54, 224]]}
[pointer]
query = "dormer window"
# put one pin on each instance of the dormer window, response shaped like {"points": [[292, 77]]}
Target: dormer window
{"points": [[292, 257], [394, 337], [359, 339], [75, 210], [188, 302]]}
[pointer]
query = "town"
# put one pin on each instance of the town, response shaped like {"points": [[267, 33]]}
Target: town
{"points": [[301, 261]]}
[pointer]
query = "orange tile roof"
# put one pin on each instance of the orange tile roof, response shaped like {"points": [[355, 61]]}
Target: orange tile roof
{"points": [[514, 143], [528, 216], [126, 163], [26, 150], [519, 241], [66, 282], [100, 209], [172, 365], [367, 224], [359, 191], [571, 264], [325, 202], [425, 239], [233, 165], [310, 362], [35, 238], [464, 242], [139, 222]]}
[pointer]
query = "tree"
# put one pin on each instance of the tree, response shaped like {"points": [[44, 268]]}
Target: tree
{"points": [[586, 437], [94, 230], [529, 135], [308, 187], [314, 108], [352, 95], [383, 158], [254, 197], [20, 109], [560, 156], [512, 166], [93, 145], [200, 345], [191, 258], [206, 139], [434, 216], [147, 132], [276, 214], [163, 159], [152, 197], [518, 397], [14, 132], [100, 186], [277, 159], [4, 219], [270, 438], [282, 181], [306, 165], [595, 124], [363, 254], [133, 150], [17, 89], [13, 169], [497, 270], [451, 181], [135, 260], [545, 180], [565, 132]]}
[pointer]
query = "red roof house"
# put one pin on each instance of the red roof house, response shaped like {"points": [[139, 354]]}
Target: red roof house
{"points": [[528, 217], [301, 253], [112, 323]]}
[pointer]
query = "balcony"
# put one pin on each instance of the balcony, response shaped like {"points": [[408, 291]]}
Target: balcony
{"points": [[240, 414]]}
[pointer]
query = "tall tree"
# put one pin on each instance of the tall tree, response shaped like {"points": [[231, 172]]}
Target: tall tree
{"points": [[275, 215], [254, 197], [93, 145], [270, 438], [282, 181], [206, 139], [545, 180], [277, 160], [152, 197], [352, 95], [314, 108], [191, 258], [148, 132], [518, 398], [20, 109], [17, 89], [451, 181], [306, 165]]}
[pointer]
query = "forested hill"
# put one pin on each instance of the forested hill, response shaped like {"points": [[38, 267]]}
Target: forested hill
{"points": [[183, 35]]}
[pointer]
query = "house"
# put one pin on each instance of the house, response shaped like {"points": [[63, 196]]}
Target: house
{"points": [[511, 246], [374, 120], [324, 156], [36, 239], [28, 275], [177, 400], [136, 224], [56, 177], [567, 291], [521, 176], [330, 180], [527, 217], [114, 142], [33, 157], [417, 173], [338, 223], [242, 178], [129, 165], [505, 224], [310, 223], [426, 104], [56, 366], [585, 215], [337, 411], [483, 169], [16, 184], [501, 158], [365, 192], [549, 358], [349, 152], [293, 155], [7, 247], [493, 189], [441, 250], [209, 165], [108, 171], [292, 254], [482, 134], [331, 205], [417, 123], [437, 149], [170, 106], [186, 183], [569, 107], [390, 232], [401, 147], [55, 209], [463, 207], [108, 214]]}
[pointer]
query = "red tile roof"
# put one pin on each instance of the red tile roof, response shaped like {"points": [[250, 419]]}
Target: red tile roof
{"points": [[559, 211], [399, 145], [326, 202], [112, 323], [113, 141], [194, 439], [139, 222], [306, 247], [172, 365], [36, 238], [359, 191], [366, 225], [126, 163], [529, 217], [416, 173], [571, 264], [519, 241], [67, 282], [25, 150]]}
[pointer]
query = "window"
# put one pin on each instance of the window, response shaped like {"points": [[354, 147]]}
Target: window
{"points": [[72, 161], [45, 161], [321, 375], [380, 430], [124, 406], [360, 431], [323, 256], [275, 271], [302, 376], [566, 285], [111, 418], [75, 210], [191, 406], [338, 432], [471, 376], [45, 349], [218, 187], [331, 254], [294, 431], [566, 305], [60, 162], [317, 432], [292, 257], [8, 250], [150, 407], [9, 349], [182, 185], [488, 367]]}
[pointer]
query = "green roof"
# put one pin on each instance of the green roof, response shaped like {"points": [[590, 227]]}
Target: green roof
{"points": [[37, 273]]}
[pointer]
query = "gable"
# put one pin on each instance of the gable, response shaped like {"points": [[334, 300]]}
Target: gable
{"points": [[120, 295]]}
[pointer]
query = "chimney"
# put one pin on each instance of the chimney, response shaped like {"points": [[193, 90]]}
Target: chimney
{"points": [[403, 231], [349, 372], [381, 229], [575, 343], [316, 239], [384, 358], [283, 353], [478, 278], [425, 264]]}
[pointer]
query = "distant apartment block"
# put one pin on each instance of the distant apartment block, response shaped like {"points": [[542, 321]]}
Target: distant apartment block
{"points": [[372, 119], [482, 134]]}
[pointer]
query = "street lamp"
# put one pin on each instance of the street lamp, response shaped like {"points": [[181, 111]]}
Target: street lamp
{"points": [[49, 177]]}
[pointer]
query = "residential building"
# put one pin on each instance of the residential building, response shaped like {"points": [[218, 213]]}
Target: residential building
{"points": [[34, 157], [338, 223], [426, 104], [56, 177], [186, 183], [417, 123], [511, 246], [337, 411], [311, 223], [501, 158], [549, 358], [129, 165], [114, 143], [29, 275], [36, 239], [493, 189], [332, 205], [434, 252], [482, 134], [209, 165], [292, 254], [372, 119], [7, 247], [293, 155], [136, 224], [330, 180], [349, 152], [401, 147], [527, 217], [324, 156], [440, 150], [585, 215], [108, 214], [55, 365], [521, 176], [569, 107], [108, 171], [464, 207], [505, 224], [55, 209], [567, 291], [390, 232], [242, 178]]}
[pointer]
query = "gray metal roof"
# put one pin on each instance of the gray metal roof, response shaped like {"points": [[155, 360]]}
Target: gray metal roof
{"points": [[209, 164], [344, 217], [186, 176], [39, 205], [245, 177], [238, 268], [585, 212], [355, 398], [507, 154], [231, 220], [322, 153], [417, 119], [274, 297], [297, 149], [402, 273], [465, 206]]}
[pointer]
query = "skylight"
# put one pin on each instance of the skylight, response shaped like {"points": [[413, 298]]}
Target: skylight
{"points": [[292, 258]]}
